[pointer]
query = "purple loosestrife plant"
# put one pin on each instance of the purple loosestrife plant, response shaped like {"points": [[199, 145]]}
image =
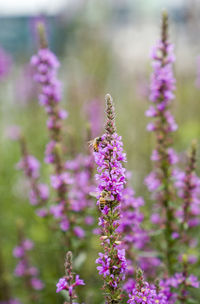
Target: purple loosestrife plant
{"points": [[24, 269], [46, 65], [109, 157], [159, 181], [39, 193], [70, 281], [187, 184], [144, 293]]}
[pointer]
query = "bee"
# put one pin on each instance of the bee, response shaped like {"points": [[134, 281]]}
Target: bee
{"points": [[95, 143], [102, 202], [104, 199]]}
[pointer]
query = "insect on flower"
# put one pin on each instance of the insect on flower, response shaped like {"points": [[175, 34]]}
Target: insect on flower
{"points": [[104, 199], [95, 143]]}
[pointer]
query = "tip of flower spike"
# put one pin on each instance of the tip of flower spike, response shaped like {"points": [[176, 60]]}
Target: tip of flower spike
{"points": [[140, 277], [69, 256], [110, 112], [68, 261], [164, 27], [185, 258], [192, 155], [157, 285], [42, 35], [194, 144], [139, 273], [193, 149], [164, 13], [108, 98]]}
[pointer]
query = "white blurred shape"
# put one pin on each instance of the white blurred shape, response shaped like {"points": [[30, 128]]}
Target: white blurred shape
{"points": [[31, 7]]}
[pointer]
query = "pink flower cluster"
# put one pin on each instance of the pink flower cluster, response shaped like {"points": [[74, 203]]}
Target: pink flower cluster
{"points": [[23, 268], [47, 64], [70, 281], [63, 284], [79, 171], [170, 286], [144, 293], [111, 174], [39, 193]]}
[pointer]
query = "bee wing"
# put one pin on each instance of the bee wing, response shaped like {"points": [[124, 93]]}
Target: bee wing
{"points": [[108, 199], [94, 194], [90, 142]]}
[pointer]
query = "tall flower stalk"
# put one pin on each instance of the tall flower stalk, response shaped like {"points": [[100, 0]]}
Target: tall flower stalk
{"points": [[161, 95], [24, 269], [39, 192], [109, 157], [188, 215], [70, 281], [46, 65], [190, 195]]}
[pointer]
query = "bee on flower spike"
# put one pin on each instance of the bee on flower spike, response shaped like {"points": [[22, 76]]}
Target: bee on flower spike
{"points": [[95, 143]]}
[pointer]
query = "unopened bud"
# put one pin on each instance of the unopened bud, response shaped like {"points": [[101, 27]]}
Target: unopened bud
{"points": [[103, 237], [185, 258], [118, 242], [42, 35]]}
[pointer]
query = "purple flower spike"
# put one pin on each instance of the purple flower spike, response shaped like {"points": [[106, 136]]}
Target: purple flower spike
{"points": [[70, 281], [159, 181], [46, 66], [24, 269], [109, 156], [39, 193]]}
